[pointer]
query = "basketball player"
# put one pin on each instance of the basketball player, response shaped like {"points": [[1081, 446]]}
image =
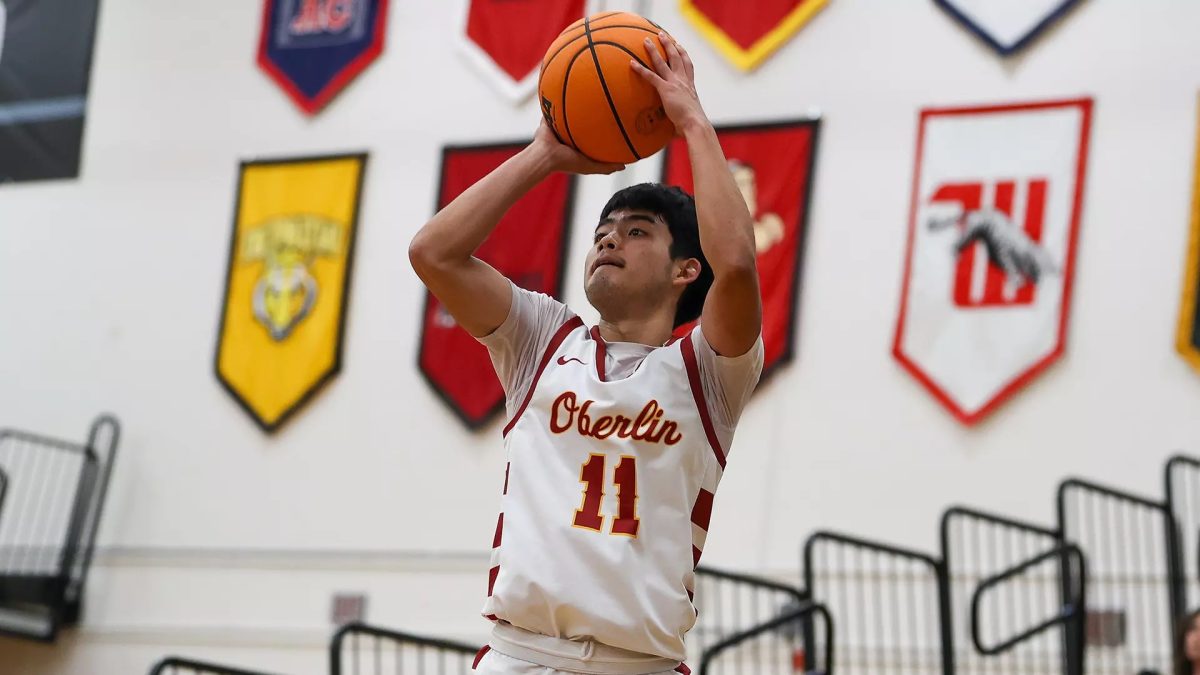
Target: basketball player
{"points": [[617, 433]]}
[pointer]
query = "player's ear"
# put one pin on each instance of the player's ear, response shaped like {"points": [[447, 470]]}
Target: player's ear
{"points": [[687, 270]]}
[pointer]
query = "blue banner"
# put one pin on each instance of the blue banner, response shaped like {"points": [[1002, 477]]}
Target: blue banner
{"points": [[314, 48]]}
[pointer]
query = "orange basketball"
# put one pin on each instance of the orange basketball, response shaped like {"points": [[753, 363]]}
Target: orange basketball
{"points": [[593, 100]]}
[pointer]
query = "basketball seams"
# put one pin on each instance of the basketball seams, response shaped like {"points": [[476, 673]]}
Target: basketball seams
{"points": [[612, 106], [566, 118], [560, 50], [625, 49]]}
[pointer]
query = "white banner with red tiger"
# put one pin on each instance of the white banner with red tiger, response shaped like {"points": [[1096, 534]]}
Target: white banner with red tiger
{"points": [[997, 195]]}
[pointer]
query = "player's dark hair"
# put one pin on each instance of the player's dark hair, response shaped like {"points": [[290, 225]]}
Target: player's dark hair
{"points": [[678, 209]]}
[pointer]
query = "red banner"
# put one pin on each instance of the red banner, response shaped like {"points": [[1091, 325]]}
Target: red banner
{"points": [[528, 246], [773, 164], [506, 39], [747, 33]]}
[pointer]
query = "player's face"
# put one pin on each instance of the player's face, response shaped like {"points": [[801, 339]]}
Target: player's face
{"points": [[629, 261]]}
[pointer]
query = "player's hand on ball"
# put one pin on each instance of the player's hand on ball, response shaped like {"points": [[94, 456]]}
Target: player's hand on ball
{"points": [[564, 158], [675, 81]]}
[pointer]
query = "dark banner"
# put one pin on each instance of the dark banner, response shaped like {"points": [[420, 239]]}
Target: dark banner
{"points": [[773, 165], [528, 246], [314, 48], [45, 60]]}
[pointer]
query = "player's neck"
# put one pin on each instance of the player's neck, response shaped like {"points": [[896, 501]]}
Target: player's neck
{"points": [[653, 331]]}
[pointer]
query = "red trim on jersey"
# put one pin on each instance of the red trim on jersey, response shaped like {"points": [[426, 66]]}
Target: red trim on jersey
{"points": [[507, 466], [601, 352], [693, 373], [492, 617], [479, 657], [492, 574], [681, 668], [499, 531], [702, 511], [555, 342], [696, 553]]}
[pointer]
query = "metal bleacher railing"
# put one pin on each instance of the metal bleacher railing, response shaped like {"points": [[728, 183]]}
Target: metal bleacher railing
{"points": [[809, 618], [730, 603], [359, 649], [887, 602], [1021, 564], [1132, 549], [1071, 615], [1182, 483], [174, 665], [1100, 593], [54, 499]]}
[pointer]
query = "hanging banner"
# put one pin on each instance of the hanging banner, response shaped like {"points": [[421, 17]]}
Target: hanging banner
{"points": [[1007, 26], [995, 215], [506, 39], [1188, 342], [288, 283], [45, 62], [747, 34], [314, 48], [528, 246], [773, 165]]}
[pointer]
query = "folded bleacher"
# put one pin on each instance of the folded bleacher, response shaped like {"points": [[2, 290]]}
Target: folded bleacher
{"points": [[48, 521]]}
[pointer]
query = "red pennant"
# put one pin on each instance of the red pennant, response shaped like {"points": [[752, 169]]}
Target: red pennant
{"points": [[507, 39], [527, 246], [748, 33], [773, 164]]}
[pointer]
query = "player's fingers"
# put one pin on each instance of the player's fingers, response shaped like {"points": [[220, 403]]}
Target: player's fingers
{"points": [[656, 60], [688, 67], [674, 60], [645, 73], [605, 169]]}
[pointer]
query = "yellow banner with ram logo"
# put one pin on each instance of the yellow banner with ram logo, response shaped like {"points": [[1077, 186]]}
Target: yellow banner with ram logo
{"points": [[1188, 340], [288, 282]]}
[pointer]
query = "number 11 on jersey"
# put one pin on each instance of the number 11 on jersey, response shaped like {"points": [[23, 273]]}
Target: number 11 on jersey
{"points": [[591, 475]]}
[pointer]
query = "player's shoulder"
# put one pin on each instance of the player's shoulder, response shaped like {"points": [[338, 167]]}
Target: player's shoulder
{"points": [[705, 351], [535, 298], [540, 309]]}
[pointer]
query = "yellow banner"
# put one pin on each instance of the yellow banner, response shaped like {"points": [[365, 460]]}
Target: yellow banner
{"points": [[1188, 341], [286, 289]]}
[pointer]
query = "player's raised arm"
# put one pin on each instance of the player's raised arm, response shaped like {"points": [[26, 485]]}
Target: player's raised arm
{"points": [[442, 252], [732, 316]]}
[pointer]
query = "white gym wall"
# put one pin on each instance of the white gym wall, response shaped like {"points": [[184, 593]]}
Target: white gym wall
{"points": [[221, 542]]}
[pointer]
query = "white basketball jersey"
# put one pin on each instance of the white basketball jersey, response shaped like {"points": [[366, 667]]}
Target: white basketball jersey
{"points": [[607, 497]]}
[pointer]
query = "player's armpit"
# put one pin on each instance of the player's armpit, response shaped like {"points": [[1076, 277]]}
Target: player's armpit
{"points": [[732, 316], [472, 291]]}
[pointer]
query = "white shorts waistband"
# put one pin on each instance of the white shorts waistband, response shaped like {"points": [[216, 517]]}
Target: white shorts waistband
{"points": [[574, 655]]}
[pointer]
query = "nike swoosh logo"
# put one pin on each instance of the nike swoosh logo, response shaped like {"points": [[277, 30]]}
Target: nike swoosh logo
{"points": [[562, 361]]}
